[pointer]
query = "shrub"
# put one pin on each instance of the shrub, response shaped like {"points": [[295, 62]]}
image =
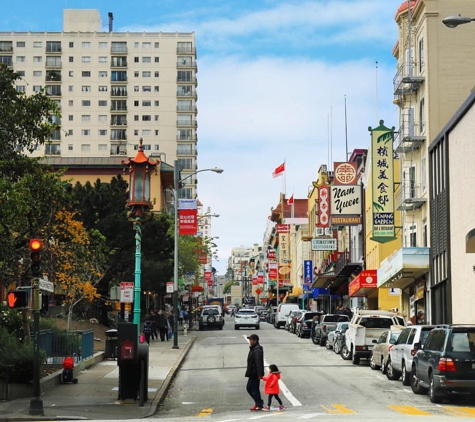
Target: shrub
{"points": [[12, 321]]}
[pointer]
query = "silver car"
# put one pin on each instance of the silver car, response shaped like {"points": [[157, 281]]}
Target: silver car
{"points": [[246, 318], [380, 352]]}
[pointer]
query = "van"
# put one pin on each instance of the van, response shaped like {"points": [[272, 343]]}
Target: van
{"points": [[283, 310]]}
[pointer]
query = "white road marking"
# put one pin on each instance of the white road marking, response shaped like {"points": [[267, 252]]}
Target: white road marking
{"points": [[311, 415], [283, 388]]}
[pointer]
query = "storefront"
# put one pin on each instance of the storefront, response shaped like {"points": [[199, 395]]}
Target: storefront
{"points": [[364, 288]]}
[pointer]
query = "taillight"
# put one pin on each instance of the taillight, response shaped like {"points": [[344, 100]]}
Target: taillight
{"points": [[413, 352], [304, 325], [446, 365], [390, 347]]}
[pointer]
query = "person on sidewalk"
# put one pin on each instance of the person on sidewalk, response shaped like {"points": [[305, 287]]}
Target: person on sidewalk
{"points": [[147, 329], [255, 371], [171, 326], [272, 387], [162, 326], [154, 325]]}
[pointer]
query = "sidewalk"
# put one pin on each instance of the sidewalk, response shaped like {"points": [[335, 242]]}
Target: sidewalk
{"points": [[95, 396]]}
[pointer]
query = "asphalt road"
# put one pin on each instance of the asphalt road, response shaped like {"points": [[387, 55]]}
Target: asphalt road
{"points": [[316, 384]]}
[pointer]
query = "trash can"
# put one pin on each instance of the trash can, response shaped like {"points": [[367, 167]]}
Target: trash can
{"points": [[111, 344]]}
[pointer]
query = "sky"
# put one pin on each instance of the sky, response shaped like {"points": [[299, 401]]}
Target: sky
{"points": [[273, 80]]}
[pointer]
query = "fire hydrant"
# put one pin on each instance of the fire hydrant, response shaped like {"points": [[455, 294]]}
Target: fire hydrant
{"points": [[185, 329]]}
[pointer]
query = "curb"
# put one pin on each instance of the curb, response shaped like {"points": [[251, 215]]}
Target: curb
{"points": [[161, 394]]}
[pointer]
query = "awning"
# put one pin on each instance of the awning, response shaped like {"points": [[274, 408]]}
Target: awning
{"points": [[365, 282], [320, 292], [296, 291], [403, 268], [321, 280]]}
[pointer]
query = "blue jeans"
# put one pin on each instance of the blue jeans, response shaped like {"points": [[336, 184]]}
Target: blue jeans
{"points": [[253, 384]]}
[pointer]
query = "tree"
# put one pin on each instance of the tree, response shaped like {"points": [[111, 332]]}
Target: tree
{"points": [[78, 258]]}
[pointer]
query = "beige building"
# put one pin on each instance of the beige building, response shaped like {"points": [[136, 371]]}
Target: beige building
{"points": [[434, 76], [113, 88]]}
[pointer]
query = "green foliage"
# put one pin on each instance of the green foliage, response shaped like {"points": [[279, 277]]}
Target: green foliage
{"points": [[227, 286], [12, 321]]}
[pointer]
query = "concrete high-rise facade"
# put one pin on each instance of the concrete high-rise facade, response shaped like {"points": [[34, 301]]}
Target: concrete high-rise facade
{"points": [[113, 88]]}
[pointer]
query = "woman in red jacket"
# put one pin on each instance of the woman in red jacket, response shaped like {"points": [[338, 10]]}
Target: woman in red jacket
{"points": [[272, 387]]}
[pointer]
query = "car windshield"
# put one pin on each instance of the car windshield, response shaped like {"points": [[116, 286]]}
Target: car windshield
{"points": [[376, 322], [336, 318], [395, 335], [463, 341], [310, 315], [246, 312], [210, 312]]}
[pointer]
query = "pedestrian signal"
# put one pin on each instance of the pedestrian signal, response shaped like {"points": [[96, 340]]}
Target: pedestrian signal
{"points": [[17, 299]]}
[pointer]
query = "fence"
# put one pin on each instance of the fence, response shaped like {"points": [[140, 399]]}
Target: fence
{"points": [[58, 345]]}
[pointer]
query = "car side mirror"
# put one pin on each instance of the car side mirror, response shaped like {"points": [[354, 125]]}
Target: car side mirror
{"points": [[375, 341], [337, 331], [392, 341]]}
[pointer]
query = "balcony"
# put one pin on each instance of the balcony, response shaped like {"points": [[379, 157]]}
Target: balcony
{"points": [[187, 93], [118, 150], [53, 47], [186, 50], [410, 196], [186, 64], [119, 63], [53, 90], [53, 76], [118, 122], [119, 48], [344, 267], [186, 138], [406, 139], [119, 107], [187, 123], [119, 91], [187, 107], [53, 64], [405, 80], [6, 47], [183, 153]]}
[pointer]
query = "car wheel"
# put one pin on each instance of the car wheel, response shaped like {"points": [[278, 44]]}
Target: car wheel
{"points": [[345, 353], [405, 378], [201, 328], [383, 366], [355, 359], [276, 325], [433, 397], [416, 387], [323, 341], [236, 327], [257, 327], [328, 345], [372, 363], [391, 373], [314, 339], [220, 327]]}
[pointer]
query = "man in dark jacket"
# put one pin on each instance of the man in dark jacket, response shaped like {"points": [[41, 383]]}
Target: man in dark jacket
{"points": [[255, 371]]}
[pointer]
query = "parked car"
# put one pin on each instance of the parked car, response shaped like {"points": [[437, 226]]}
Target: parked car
{"points": [[289, 318], [246, 318], [326, 324], [211, 317], [258, 309], [403, 351], [446, 363], [335, 337], [304, 323], [263, 315], [380, 352], [283, 310], [294, 321], [271, 315]]}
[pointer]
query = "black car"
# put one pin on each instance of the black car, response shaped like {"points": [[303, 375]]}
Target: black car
{"points": [[445, 364], [305, 323]]}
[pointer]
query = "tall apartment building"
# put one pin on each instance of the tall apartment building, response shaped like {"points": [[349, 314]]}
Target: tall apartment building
{"points": [[434, 76], [113, 88]]}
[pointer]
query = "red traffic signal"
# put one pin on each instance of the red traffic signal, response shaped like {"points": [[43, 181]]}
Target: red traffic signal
{"points": [[17, 299], [36, 245]]}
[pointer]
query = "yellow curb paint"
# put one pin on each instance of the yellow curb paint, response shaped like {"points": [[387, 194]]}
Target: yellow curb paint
{"points": [[338, 409], [459, 411], [205, 412], [410, 410]]}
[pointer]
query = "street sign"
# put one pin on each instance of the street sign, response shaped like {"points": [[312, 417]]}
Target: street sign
{"points": [[126, 292], [324, 245], [258, 291], [170, 286], [46, 285]]}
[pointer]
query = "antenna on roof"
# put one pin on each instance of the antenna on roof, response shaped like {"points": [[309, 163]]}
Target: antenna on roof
{"points": [[111, 18]]}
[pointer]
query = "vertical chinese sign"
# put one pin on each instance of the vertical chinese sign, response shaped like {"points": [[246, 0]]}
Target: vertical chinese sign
{"points": [[382, 175], [284, 253]]}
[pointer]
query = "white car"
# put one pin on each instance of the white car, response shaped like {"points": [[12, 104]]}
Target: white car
{"points": [[246, 318]]}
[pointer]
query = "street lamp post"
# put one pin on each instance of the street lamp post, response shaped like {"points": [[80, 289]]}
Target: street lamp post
{"points": [[454, 21], [177, 181], [138, 207]]}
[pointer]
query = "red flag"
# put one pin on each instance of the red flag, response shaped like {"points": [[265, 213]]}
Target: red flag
{"points": [[290, 201], [279, 170]]}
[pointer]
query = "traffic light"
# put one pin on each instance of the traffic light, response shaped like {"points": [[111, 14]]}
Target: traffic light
{"points": [[35, 247], [17, 299]]}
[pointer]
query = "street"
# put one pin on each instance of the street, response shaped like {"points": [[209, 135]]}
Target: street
{"points": [[317, 383]]}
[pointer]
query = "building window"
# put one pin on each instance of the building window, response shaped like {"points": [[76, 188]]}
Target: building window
{"points": [[156, 146], [136, 59], [421, 55], [146, 60], [71, 45], [53, 61], [37, 59], [157, 45], [136, 88], [85, 147], [20, 44], [102, 103], [422, 115], [146, 103], [185, 163], [20, 88], [102, 59], [86, 59], [136, 103], [103, 88], [136, 117], [119, 47], [86, 118], [136, 74], [86, 103], [184, 134], [20, 59], [157, 117], [156, 89], [102, 45], [146, 132], [86, 45], [86, 74], [156, 103], [37, 73], [21, 73], [136, 45], [184, 149], [102, 74], [136, 132], [37, 44], [423, 175], [185, 47], [146, 74], [146, 45], [157, 59], [85, 132], [70, 132], [70, 103], [86, 88], [102, 132], [102, 118], [147, 88], [118, 76], [70, 117], [184, 76], [184, 105], [146, 118], [71, 59], [102, 147], [71, 73], [70, 147], [157, 132], [424, 233], [157, 74], [71, 88], [412, 236]]}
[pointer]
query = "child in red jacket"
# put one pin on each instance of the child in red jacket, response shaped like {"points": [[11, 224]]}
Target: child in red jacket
{"points": [[272, 387]]}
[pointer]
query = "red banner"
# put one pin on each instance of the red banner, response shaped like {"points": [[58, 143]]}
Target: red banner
{"points": [[210, 283], [187, 222], [283, 228], [254, 280], [260, 278], [271, 254], [273, 271], [207, 275], [323, 206], [203, 259]]}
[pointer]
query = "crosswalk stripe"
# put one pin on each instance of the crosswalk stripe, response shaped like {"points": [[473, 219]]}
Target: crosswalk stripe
{"points": [[410, 410]]}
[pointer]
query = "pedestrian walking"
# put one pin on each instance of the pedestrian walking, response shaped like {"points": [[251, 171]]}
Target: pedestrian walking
{"points": [[154, 319], [163, 326], [147, 329], [181, 317], [255, 371], [272, 387]]}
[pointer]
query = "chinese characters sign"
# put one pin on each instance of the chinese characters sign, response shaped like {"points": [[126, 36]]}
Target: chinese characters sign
{"points": [[382, 175], [346, 196], [187, 217], [323, 206], [307, 274]]}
